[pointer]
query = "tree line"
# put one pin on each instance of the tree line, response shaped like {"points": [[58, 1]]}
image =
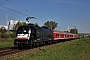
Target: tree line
{"points": [[50, 24]]}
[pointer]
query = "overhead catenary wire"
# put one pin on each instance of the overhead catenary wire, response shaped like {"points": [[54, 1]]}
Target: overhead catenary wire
{"points": [[27, 11], [13, 10], [11, 13], [16, 11], [16, 5], [39, 18], [8, 18]]}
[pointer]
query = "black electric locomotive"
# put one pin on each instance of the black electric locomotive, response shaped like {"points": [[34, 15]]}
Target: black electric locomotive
{"points": [[31, 35]]}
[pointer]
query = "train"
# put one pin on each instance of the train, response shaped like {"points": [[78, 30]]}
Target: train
{"points": [[60, 35], [32, 35]]}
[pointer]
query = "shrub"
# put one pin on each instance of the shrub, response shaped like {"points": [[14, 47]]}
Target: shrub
{"points": [[7, 36]]}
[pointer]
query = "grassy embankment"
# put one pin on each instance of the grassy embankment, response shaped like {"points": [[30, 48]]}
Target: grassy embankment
{"points": [[6, 44], [6, 40], [76, 50]]}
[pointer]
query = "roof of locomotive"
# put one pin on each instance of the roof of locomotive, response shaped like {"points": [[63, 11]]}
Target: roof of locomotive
{"points": [[37, 27]]}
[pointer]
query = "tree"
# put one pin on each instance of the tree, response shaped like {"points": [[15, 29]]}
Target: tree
{"points": [[36, 24], [15, 27], [3, 30], [75, 31], [51, 24]]}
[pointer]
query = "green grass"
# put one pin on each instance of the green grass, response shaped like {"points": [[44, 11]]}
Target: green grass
{"points": [[76, 50], [6, 44]]}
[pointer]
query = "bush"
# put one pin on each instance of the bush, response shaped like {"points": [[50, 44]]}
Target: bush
{"points": [[88, 39], [7, 36]]}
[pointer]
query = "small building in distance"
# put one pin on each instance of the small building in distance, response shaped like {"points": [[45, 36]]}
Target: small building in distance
{"points": [[10, 24]]}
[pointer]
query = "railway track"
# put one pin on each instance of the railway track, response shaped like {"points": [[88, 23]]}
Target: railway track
{"points": [[7, 51]]}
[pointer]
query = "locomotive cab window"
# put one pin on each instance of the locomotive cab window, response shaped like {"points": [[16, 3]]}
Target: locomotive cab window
{"points": [[23, 30], [19, 31]]}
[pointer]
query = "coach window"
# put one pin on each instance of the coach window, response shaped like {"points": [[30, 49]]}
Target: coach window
{"points": [[57, 34], [61, 34]]}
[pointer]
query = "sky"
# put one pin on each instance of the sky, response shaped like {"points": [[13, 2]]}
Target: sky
{"points": [[64, 12]]}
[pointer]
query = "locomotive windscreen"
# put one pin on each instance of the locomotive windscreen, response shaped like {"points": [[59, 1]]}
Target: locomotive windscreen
{"points": [[23, 30]]}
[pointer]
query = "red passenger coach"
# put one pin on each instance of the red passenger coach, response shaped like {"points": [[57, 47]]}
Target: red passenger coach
{"points": [[75, 36], [65, 36], [59, 35], [56, 35], [62, 35]]}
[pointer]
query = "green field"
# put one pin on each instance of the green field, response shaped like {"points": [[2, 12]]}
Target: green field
{"points": [[6, 44], [75, 50]]}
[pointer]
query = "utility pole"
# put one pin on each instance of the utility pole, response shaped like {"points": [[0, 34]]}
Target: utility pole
{"points": [[6, 18], [51, 25], [75, 29], [59, 28], [7, 23]]}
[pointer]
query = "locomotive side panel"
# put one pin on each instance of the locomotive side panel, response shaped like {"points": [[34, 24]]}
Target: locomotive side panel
{"points": [[46, 34]]}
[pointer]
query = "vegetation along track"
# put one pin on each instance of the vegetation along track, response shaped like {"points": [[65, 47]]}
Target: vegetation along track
{"points": [[14, 50]]}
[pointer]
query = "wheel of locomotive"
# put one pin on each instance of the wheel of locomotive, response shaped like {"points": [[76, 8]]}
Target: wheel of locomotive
{"points": [[35, 44], [40, 44], [25, 46], [30, 46], [20, 47], [49, 42], [52, 41]]}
